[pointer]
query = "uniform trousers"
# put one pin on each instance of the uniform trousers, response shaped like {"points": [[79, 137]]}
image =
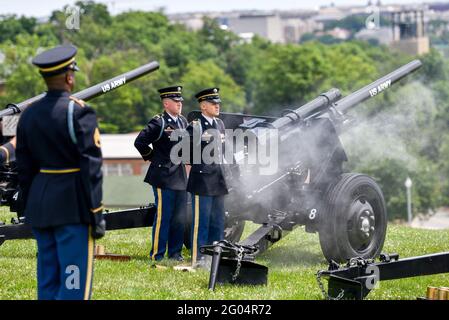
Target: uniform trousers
{"points": [[169, 221], [64, 262], [207, 223]]}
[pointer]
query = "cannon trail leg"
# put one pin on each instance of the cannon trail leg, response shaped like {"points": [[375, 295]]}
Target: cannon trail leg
{"points": [[232, 263], [214, 267], [359, 277]]}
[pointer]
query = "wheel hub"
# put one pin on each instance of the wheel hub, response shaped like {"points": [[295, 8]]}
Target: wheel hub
{"points": [[366, 223], [362, 224]]}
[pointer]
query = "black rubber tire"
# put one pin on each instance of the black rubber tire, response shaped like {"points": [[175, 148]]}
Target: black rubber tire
{"points": [[336, 227]]}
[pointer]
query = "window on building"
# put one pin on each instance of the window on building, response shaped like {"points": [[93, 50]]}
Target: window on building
{"points": [[126, 169]]}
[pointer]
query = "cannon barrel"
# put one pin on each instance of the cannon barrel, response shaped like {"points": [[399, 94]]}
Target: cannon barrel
{"points": [[91, 92], [321, 104], [376, 87]]}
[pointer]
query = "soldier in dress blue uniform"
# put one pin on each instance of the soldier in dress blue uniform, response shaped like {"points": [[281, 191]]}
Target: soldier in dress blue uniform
{"points": [[207, 182], [59, 164], [168, 180]]}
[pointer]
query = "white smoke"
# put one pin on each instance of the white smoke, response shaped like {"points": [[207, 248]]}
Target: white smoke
{"points": [[393, 133]]}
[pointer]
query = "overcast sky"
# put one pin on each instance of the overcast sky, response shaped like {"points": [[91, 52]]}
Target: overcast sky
{"points": [[43, 8]]}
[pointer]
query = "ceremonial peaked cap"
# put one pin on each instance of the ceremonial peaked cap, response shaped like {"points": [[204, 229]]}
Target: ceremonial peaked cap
{"points": [[210, 94], [56, 61]]}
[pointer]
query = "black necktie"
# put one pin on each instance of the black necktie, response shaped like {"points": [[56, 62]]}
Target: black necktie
{"points": [[179, 123]]}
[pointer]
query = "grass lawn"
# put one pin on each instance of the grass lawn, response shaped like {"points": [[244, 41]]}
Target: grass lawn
{"points": [[293, 263]]}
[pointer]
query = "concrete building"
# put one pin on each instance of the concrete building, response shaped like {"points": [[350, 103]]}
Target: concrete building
{"points": [[383, 36], [193, 21], [296, 27], [331, 13], [290, 26], [278, 27], [409, 32], [268, 26], [339, 33]]}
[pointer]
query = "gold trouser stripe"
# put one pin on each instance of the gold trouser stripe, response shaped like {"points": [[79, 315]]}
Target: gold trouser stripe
{"points": [[59, 66], [59, 171], [7, 153], [196, 220], [158, 223], [97, 209], [90, 258]]}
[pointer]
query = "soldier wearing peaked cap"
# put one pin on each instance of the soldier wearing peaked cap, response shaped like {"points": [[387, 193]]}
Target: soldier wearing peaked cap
{"points": [[168, 180], [59, 164], [207, 182]]}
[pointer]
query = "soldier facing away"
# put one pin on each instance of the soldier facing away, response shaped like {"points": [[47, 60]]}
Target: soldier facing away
{"points": [[59, 164]]}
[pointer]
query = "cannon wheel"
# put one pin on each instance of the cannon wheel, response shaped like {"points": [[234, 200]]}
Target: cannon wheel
{"points": [[354, 220]]}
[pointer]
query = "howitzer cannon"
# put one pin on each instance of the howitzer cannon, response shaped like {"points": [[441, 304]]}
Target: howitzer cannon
{"points": [[309, 186], [132, 218]]}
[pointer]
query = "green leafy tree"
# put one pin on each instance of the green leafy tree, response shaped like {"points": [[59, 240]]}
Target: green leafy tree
{"points": [[94, 31], [23, 80], [12, 26], [292, 75], [131, 106], [207, 74], [212, 33], [243, 64]]}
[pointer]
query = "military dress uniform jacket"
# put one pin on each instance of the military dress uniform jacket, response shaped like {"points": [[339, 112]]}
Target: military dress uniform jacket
{"points": [[206, 179], [162, 173], [60, 181]]}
